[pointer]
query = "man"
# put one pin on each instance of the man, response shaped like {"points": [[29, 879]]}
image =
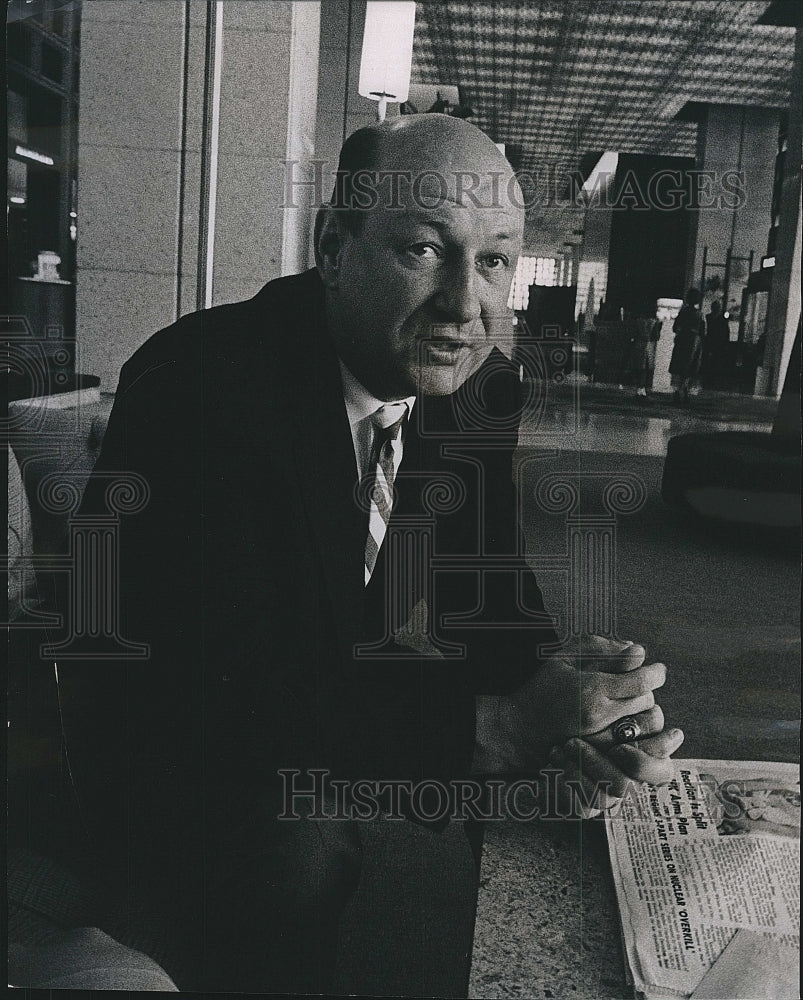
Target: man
{"points": [[713, 367], [329, 573]]}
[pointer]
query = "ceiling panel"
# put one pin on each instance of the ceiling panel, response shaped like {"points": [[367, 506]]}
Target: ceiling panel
{"points": [[559, 78]]}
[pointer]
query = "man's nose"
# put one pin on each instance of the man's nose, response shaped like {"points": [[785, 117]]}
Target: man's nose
{"points": [[457, 298]]}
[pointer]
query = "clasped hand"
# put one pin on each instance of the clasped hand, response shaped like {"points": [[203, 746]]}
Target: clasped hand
{"points": [[565, 712]]}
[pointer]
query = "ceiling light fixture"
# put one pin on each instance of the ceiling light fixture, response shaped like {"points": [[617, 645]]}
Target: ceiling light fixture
{"points": [[603, 171], [387, 52], [31, 154]]}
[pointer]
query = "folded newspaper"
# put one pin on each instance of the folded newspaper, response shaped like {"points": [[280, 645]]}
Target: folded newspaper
{"points": [[714, 851]]}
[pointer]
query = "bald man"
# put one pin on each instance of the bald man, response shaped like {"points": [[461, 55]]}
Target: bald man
{"points": [[331, 579]]}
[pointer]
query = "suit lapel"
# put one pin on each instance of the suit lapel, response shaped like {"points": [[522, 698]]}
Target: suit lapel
{"points": [[327, 475]]}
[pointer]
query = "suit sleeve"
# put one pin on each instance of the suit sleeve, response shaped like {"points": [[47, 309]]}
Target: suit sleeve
{"points": [[130, 721]]}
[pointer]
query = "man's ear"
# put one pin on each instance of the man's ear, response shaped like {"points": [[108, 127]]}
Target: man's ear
{"points": [[329, 241]]}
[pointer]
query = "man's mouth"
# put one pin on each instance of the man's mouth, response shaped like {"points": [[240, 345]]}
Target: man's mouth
{"points": [[444, 350]]}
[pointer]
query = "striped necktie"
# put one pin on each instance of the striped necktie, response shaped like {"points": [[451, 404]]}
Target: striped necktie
{"points": [[387, 423]]}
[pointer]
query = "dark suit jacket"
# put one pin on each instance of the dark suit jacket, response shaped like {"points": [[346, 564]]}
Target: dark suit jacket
{"points": [[244, 572]]}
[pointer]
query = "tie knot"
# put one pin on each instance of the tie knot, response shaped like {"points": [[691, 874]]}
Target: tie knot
{"points": [[388, 419]]}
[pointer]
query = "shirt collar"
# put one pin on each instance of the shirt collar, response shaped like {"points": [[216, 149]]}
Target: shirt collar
{"points": [[359, 401]]}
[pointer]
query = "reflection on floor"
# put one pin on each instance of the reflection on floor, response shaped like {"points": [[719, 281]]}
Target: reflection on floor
{"points": [[578, 431], [616, 421]]}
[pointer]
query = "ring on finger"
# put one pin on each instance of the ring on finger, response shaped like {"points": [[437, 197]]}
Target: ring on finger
{"points": [[627, 730]]}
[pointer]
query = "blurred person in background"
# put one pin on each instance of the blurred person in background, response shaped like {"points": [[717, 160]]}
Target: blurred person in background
{"points": [[646, 334], [715, 347], [689, 330]]}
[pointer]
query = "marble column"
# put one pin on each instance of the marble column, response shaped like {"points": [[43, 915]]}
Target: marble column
{"points": [[734, 140], [267, 116], [139, 142], [161, 91]]}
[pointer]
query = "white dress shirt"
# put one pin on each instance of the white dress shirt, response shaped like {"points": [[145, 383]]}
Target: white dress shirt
{"points": [[360, 405]]}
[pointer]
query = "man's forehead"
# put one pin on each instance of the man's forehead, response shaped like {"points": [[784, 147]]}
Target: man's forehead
{"points": [[459, 183], [435, 159], [446, 197], [435, 168]]}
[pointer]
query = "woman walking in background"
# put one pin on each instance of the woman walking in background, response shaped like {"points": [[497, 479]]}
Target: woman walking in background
{"points": [[687, 350]]}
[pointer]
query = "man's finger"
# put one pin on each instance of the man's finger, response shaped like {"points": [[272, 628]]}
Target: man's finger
{"points": [[630, 658], [595, 766], [605, 712], [583, 796], [608, 655], [654, 766], [595, 645], [586, 798], [662, 744], [634, 682], [650, 722]]}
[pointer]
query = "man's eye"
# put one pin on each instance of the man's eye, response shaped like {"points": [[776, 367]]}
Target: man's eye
{"points": [[425, 251], [495, 261]]}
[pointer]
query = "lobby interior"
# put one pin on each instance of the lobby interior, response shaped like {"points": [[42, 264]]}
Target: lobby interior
{"points": [[188, 142]]}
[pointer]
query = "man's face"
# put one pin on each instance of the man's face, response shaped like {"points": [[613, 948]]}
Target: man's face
{"points": [[422, 289]]}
